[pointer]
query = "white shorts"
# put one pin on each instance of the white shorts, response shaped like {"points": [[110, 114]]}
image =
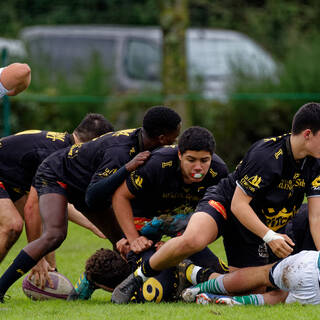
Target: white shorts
{"points": [[3, 90], [299, 274]]}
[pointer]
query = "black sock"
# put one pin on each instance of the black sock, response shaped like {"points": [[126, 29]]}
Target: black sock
{"points": [[147, 270], [21, 264]]}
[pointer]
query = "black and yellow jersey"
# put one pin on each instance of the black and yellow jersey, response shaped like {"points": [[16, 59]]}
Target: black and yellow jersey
{"points": [[83, 164], [22, 153], [158, 185], [276, 182]]}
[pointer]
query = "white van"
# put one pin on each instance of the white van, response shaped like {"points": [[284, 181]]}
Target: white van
{"points": [[133, 54]]}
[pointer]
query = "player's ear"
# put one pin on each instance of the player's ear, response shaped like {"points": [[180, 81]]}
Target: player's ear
{"points": [[179, 155]]}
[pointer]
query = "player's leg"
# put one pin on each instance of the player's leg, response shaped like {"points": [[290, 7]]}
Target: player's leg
{"points": [[240, 281], [53, 212], [202, 229], [11, 222], [269, 298]]}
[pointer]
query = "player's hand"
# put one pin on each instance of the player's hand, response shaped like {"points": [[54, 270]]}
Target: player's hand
{"points": [[140, 244], [97, 232], [137, 161], [123, 247], [40, 273], [281, 247]]}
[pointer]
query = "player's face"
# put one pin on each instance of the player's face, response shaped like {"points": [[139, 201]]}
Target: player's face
{"points": [[313, 144], [194, 165], [170, 138]]}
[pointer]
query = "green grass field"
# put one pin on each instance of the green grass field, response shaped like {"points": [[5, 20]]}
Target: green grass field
{"points": [[79, 245]]}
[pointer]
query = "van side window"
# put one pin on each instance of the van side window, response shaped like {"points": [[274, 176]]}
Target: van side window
{"points": [[143, 60]]}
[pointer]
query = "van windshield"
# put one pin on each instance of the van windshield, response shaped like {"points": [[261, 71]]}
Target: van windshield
{"points": [[216, 58]]}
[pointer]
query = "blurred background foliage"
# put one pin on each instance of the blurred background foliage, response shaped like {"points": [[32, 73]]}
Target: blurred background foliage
{"points": [[289, 30]]}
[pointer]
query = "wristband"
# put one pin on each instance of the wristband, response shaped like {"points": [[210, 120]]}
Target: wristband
{"points": [[271, 235]]}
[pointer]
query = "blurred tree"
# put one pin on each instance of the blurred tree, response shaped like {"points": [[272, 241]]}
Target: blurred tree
{"points": [[174, 20]]}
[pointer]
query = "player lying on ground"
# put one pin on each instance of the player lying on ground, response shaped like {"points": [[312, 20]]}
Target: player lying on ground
{"points": [[105, 269], [169, 225], [14, 78], [297, 276]]}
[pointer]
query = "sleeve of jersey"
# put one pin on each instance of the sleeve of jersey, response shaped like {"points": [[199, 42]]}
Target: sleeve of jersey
{"points": [[139, 181], [313, 189], [108, 177], [97, 193], [256, 172]]}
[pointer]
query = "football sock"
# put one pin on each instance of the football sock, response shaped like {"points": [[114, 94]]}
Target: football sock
{"points": [[256, 299], [145, 271], [192, 272], [213, 286], [21, 264]]}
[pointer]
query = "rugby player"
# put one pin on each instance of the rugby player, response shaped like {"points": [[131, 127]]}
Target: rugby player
{"points": [[20, 157], [297, 276], [257, 199], [175, 178], [14, 78], [170, 184], [65, 176], [105, 269]]}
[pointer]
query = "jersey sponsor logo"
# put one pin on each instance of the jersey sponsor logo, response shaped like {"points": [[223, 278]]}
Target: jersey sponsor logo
{"points": [[132, 151], [123, 132], [252, 183], [276, 220], [108, 172], [136, 180], [278, 154], [152, 290], [316, 183], [188, 197], [213, 173], [297, 182], [28, 132], [74, 150], [219, 207], [166, 164], [54, 136]]}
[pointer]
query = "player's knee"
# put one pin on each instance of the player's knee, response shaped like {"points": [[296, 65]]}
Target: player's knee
{"points": [[54, 238], [191, 245], [13, 228]]}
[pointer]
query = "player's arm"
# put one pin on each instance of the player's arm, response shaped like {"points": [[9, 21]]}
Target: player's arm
{"points": [[98, 192], [16, 77], [123, 212], [77, 217], [240, 206], [314, 219]]}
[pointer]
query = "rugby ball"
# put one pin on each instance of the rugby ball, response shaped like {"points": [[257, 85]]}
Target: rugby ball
{"points": [[61, 288]]}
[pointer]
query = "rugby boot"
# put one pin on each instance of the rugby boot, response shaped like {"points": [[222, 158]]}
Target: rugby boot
{"points": [[182, 275], [127, 289], [83, 289]]}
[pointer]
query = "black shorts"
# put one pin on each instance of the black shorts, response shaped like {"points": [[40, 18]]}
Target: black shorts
{"points": [[10, 192], [216, 210], [46, 182]]}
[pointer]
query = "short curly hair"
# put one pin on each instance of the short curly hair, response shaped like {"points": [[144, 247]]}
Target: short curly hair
{"points": [[107, 267], [160, 120], [197, 139]]}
